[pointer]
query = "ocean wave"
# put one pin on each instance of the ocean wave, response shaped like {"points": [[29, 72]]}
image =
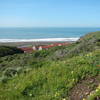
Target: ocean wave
{"points": [[39, 40]]}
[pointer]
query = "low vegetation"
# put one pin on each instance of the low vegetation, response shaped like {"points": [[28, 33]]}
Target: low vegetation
{"points": [[53, 74]]}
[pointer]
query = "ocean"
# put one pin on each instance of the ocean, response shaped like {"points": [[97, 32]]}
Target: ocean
{"points": [[43, 34]]}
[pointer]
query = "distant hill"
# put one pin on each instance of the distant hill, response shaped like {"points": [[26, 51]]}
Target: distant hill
{"points": [[85, 44], [88, 43], [6, 50]]}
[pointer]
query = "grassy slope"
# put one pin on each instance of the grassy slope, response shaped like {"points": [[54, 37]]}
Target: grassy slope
{"points": [[49, 75]]}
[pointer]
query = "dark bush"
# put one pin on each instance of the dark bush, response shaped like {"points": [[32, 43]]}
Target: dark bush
{"points": [[6, 50]]}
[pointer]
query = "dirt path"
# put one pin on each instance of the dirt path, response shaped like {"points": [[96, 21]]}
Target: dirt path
{"points": [[84, 87]]}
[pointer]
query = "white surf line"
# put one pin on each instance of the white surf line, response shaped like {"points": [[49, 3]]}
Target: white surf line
{"points": [[39, 40]]}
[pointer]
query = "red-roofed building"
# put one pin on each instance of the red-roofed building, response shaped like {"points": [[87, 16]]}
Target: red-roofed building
{"points": [[27, 49], [46, 47], [52, 45]]}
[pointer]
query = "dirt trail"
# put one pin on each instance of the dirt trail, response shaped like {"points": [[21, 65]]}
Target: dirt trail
{"points": [[84, 87]]}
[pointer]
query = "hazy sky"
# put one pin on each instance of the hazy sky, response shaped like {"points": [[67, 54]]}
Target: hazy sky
{"points": [[49, 13]]}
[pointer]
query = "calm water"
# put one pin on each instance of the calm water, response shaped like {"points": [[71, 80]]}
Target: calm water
{"points": [[40, 33]]}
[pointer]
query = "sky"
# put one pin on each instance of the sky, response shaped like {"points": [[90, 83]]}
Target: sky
{"points": [[49, 13]]}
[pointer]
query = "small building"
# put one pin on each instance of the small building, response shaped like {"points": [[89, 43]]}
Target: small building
{"points": [[34, 48], [40, 48]]}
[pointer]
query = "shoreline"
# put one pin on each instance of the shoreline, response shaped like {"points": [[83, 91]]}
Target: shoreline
{"points": [[35, 42]]}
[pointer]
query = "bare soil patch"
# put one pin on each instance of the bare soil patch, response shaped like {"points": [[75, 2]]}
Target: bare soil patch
{"points": [[84, 87]]}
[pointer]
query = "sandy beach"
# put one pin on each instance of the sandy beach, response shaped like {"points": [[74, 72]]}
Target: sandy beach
{"points": [[19, 44]]}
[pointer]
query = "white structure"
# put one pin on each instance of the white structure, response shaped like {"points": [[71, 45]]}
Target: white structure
{"points": [[34, 48], [59, 45], [40, 48]]}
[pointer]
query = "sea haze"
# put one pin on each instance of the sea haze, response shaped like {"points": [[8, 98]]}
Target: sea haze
{"points": [[43, 34]]}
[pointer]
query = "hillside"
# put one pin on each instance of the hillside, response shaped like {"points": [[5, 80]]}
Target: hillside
{"points": [[60, 73], [87, 43]]}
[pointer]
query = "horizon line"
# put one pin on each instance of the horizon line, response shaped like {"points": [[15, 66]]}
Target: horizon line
{"points": [[52, 27]]}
